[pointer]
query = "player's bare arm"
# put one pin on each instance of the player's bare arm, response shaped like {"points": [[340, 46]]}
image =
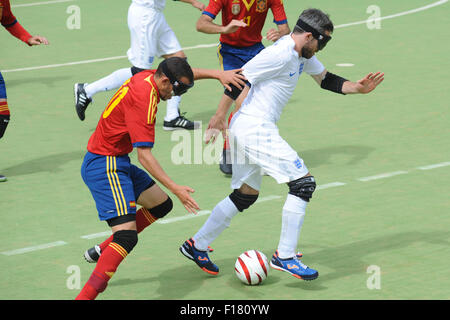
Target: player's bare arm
{"points": [[205, 24], [218, 122], [275, 34], [363, 86], [196, 4], [149, 162], [225, 77]]}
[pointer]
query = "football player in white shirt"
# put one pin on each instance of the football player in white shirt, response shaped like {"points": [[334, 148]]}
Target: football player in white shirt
{"points": [[257, 148], [151, 37]]}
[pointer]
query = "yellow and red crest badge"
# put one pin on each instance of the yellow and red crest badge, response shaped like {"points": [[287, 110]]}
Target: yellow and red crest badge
{"points": [[236, 8], [261, 5]]}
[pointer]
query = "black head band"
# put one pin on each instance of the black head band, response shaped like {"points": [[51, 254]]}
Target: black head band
{"points": [[321, 38], [178, 87]]}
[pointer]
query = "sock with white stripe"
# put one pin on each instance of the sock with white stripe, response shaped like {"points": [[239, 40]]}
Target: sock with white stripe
{"points": [[172, 111], [291, 225], [217, 222], [110, 82]]}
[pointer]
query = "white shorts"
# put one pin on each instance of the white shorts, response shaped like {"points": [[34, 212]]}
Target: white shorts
{"points": [[257, 149], [151, 36]]}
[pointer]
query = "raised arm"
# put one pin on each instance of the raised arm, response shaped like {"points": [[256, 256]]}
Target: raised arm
{"points": [[205, 24], [329, 81]]}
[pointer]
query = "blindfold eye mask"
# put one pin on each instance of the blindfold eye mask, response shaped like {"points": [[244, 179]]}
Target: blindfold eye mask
{"points": [[321, 38], [179, 87]]}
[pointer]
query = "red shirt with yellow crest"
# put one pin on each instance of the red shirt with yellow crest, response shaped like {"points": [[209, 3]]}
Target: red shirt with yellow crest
{"points": [[129, 118], [252, 12]]}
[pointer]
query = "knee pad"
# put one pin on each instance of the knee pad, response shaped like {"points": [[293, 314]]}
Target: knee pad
{"points": [[242, 201], [127, 239], [303, 187], [162, 209]]}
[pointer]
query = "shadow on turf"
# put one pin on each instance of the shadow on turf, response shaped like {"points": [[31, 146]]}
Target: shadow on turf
{"points": [[49, 163], [318, 157], [346, 260]]}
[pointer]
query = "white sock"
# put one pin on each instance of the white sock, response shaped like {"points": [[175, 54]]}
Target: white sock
{"points": [[218, 221], [172, 111], [291, 225], [113, 81]]}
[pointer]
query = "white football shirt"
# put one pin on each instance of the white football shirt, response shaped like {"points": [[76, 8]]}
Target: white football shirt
{"points": [[273, 74]]}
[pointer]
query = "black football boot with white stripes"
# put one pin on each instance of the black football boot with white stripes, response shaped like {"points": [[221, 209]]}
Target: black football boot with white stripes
{"points": [[81, 100], [181, 122]]}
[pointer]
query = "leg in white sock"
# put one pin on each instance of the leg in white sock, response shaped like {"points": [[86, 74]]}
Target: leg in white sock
{"points": [[291, 224], [172, 111], [110, 82], [217, 222]]}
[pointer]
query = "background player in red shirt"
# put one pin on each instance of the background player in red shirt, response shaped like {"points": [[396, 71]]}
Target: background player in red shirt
{"points": [[240, 41], [9, 21], [116, 185]]}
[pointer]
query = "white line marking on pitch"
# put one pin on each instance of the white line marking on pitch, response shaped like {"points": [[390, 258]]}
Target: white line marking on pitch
{"points": [[97, 235], [382, 176], [345, 65], [434, 166], [38, 3], [330, 185], [438, 3], [34, 248]]}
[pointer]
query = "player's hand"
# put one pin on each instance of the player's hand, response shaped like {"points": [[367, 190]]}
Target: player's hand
{"points": [[197, 4], [273, 35], [233, 26], [184, 195], [37, 40], [216, 125], [369, 82], [233, 77]]}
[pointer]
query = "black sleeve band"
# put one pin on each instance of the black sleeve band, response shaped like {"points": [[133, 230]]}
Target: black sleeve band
{"points": [[234, 93], [333, 83]]}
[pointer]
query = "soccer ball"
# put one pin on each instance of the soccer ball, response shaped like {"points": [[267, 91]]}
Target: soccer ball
{"points": [[251, 267]]}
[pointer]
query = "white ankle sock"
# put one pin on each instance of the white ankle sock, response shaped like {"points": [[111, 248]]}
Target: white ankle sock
{"points": [[110, 82], [291, 225], [172, 111], [217, 222]]}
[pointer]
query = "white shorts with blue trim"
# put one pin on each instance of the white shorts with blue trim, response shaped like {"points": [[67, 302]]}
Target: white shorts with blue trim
{"points": [[258, 149]]}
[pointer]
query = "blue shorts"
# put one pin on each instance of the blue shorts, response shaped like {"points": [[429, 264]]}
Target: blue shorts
{"points": [[2, 87], [231, 57], [115, 184]]}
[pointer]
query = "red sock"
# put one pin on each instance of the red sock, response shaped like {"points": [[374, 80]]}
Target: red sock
{"points": [[4, 110], [226, 144], [106, 267], [143, 219]]}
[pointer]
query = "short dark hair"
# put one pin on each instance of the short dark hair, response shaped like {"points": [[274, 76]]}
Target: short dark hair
{"points": [[316, 19], [179, 67]]}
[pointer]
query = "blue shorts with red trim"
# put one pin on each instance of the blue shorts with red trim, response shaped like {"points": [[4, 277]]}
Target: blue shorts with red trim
{"points": [[232, 57], [115, 184], [2, 87]]}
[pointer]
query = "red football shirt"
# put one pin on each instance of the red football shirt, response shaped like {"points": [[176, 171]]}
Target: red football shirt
{"points": [[252, 12], [9, 21], [129, 118]]}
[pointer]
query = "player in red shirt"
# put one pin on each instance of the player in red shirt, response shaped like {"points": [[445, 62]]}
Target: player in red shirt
{"points": [[9, 21], [240, 41], [116, 185]]}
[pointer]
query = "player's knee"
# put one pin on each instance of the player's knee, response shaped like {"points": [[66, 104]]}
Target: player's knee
{"points": [[162, 209], [127, 239], [303, 187], [242, 201]]}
